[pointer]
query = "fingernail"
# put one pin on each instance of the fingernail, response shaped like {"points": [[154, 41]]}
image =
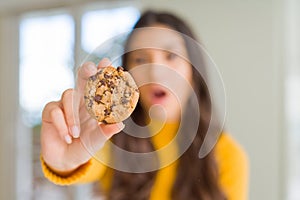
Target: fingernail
{"points": [[75, 131], [68, 139], [91, 68], [106, 62]]}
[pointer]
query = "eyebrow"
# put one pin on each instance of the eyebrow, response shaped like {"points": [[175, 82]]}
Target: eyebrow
{"points": [[174, 44], [175, 47]]}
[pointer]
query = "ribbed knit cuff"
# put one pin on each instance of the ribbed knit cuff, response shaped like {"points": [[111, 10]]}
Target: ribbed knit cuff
{"points": [[73, 178]]}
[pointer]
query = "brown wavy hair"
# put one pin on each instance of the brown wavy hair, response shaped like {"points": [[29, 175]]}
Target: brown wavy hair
{"points": [[195, 178]]}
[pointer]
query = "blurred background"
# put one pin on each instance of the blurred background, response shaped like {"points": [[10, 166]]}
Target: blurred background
{"points": [[255, 44]]}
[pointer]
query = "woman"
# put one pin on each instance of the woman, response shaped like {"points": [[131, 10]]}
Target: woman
{"points": [[160, 61]]}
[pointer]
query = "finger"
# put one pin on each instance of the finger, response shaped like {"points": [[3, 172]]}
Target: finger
{"points": [[110, 129], [104, 63], [84, 72], [70, 102], [54, 115], [95, 136]]}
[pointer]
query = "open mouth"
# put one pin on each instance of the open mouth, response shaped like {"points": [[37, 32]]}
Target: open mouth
{"points": [[159, 94]]}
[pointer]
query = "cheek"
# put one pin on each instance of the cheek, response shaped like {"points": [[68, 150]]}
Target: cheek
{"points": [[183, 80], [186, 71], [140, 75], [184, 84], [143, 91], [144, 96]]}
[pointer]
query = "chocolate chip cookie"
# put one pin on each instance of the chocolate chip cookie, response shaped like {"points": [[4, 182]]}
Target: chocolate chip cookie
{"points": [[111, 95]]}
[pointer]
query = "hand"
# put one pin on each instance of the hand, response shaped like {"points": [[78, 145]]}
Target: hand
{"points": [[66, 122]]}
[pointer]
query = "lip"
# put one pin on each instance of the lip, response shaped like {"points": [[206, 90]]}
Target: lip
{"points": [[158, 95]]}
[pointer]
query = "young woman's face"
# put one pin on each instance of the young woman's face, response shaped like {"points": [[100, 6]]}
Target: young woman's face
{"points": [[159, 65]]}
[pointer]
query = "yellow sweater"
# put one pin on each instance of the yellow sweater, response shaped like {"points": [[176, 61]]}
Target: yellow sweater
{"points": [[231, 158]]}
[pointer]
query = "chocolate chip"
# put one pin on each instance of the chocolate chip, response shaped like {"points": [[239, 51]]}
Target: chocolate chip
{"points": [[107, 112], [98, 98], [120, 68], [93, 78], [124, 100], [107, 76], [111, 84], [90, 103], [102, 82]]}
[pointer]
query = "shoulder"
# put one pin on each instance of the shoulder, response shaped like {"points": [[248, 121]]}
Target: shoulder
{"points": [[227, 148], [233, 167]]}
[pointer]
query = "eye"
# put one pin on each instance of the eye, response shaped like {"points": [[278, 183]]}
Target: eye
{"points": [[139, 60], [171, 56]]}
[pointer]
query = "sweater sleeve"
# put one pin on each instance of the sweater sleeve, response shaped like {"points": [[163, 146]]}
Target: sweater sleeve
{"points": [[91, 171], [233, 168]]}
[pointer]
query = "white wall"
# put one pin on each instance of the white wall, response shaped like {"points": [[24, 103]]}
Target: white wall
{"points": [[292, 85], [244, 38], [8, 104]]}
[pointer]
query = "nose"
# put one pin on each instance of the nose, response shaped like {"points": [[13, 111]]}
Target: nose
{"points": [[163, 75], [157, 68]]}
